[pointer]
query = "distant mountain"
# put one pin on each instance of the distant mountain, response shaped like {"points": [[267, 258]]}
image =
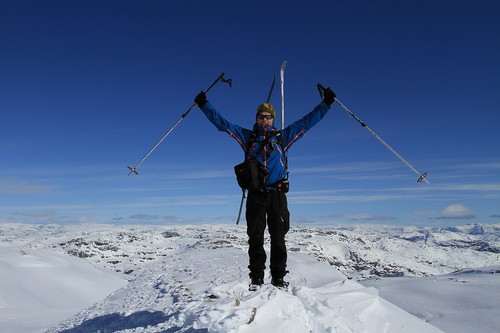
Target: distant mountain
{"points": [[360, 251]]}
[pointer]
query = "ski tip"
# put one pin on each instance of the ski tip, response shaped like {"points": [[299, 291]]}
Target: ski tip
{"points": [[283, 65], [423, 177], [134, 170]]}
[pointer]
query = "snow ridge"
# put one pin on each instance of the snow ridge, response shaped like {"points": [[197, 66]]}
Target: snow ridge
{"points": [[207, 290]]}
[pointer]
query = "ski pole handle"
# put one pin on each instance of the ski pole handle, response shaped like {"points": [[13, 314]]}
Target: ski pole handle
{"points": [[220, 78]]}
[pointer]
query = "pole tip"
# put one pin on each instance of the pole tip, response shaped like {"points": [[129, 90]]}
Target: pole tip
{"points": [[134, 170], [422, 177]]}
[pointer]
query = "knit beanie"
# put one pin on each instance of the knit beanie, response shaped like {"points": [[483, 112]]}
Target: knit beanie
{"points": [[266, 107]]}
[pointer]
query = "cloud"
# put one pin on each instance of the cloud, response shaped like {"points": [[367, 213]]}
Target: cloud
{"points": [[456, 211], [144, 217], [39, 215], [170, 219], [16, 186], [44, 217], [496, 216], [360, 217]]}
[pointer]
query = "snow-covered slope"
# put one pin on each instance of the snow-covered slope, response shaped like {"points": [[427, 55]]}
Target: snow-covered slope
{"points": [[40, 287], [202, 289], [463, 301], [195, 278]]}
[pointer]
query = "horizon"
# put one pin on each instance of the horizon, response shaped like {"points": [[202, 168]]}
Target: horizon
{"points": [[450, 227]]}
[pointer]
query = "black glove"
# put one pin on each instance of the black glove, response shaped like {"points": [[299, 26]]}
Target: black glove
{"points": [[329, 96], [200, 99]]}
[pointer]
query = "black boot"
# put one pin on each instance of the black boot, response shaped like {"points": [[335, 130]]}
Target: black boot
{"points": [[279, 283], [255, 284]]}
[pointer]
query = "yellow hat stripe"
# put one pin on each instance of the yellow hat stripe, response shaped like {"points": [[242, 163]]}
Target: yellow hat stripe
{"points": [[266, 107]]}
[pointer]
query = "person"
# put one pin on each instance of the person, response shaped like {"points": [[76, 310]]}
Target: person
{"points": [[267, 203]]}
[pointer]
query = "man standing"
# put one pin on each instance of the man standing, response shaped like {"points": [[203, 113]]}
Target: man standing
{"points": [[265, 148]]}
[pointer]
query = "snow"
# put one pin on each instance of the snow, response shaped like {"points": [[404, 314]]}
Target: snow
{"points": [[475, 296], [41, 287], [199, 289], [110, 278]]}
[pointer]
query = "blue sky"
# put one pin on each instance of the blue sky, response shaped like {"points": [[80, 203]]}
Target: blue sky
{"points": [[88, 87]]}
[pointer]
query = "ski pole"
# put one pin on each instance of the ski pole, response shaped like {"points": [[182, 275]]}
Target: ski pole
{"points": [[241, 207], [421, 176], [134, 169]]}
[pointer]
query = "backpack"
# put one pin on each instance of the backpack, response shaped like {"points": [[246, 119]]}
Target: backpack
{"points": [[250, 173]]}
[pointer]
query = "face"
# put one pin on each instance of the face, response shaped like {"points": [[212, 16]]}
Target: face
{"points": [[264, 119]]}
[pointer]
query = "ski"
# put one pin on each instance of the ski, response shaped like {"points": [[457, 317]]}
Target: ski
{"points": [[282, 76], [272, 87]]}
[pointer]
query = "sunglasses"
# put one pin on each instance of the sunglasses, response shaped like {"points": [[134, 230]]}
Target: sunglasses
{"points": [[267, 116]]}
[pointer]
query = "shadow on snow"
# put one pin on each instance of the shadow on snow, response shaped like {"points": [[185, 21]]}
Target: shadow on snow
{"points": [[114, 322]]}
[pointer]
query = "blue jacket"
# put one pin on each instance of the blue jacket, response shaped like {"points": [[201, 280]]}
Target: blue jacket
{"points": [[265, 146]]}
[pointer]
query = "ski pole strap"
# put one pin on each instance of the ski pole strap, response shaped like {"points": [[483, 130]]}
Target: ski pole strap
{"points": [[222, 79], [321, 90]]}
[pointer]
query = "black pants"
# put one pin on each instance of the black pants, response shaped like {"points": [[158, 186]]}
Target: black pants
{"points": [[270, 207]]}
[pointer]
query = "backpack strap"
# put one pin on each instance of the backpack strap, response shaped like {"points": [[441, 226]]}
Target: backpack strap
{"points": [[251, 140], [279, 139]]}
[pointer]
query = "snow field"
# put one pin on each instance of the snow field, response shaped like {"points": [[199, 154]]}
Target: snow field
{"points": [[200, 289], [188, 278]]}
